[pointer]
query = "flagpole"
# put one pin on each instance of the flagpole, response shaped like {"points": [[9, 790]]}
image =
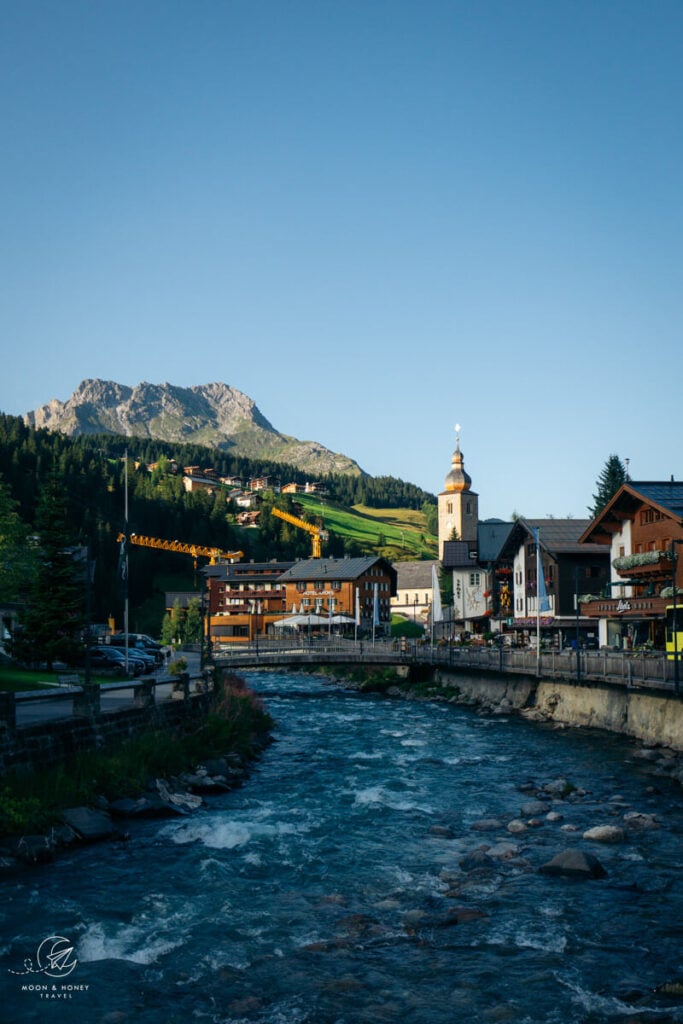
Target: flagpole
{"points": [[125, 530], [538, 603]]}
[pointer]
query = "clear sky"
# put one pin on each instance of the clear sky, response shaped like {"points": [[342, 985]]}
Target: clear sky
{"points": [[377, 218]]}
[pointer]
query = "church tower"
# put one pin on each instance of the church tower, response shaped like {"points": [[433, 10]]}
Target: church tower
{"points": [[458, 503]]}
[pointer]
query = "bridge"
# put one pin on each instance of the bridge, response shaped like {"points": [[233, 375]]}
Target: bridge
{"points": [[643, 669]]}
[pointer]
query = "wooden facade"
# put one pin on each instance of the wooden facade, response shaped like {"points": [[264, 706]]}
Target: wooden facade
{"points": [[642, 527], [245, 598], [328, 586]]}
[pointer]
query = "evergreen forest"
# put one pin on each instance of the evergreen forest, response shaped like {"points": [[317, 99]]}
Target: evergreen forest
{"points": [[90, 485]]}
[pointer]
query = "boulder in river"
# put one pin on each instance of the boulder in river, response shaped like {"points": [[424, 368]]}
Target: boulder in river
{"points": [[88, 823], [486, 825], [605, 834], [574, 863]]}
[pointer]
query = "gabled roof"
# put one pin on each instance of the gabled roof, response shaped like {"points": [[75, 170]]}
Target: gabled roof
{"points": [[458, 554], [247, 571], [415, 575], [491, 537], [555, 536], [333, 569], [666, 496]]}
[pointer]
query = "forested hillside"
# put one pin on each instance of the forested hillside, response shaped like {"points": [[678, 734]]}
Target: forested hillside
{"points": [[91, 473]]}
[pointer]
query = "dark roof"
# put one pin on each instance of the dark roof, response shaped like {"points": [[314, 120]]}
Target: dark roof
{"points": [[246, 570], [459, 553], [667, 496], [333, 569], [555, 536], [415, 574], [491, 537]]}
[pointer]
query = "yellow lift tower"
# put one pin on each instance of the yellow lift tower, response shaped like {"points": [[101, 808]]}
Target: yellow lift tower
{"points": [[318, 534]]}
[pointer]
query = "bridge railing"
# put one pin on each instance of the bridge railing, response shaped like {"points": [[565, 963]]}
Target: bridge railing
{"points": [[644, 669]]}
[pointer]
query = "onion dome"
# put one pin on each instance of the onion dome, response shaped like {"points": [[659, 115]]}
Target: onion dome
{"points": [[458, 480]]}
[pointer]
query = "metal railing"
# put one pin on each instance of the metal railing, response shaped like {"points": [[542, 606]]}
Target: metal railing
{"points": [[644, 669]]}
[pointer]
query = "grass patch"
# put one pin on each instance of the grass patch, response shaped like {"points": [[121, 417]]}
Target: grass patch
{"points": [[395, 533], [406, 627], [16, 680], [33, 802]]}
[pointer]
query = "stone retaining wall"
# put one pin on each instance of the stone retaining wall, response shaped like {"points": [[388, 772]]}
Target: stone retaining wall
{"points": [[645, 715], [41, 746]]}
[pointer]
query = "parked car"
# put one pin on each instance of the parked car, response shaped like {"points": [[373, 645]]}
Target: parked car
{"points": [[138, 646], [111, 658]]}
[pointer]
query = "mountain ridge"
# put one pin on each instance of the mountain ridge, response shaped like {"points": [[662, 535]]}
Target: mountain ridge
{"points": [[215, 415]]}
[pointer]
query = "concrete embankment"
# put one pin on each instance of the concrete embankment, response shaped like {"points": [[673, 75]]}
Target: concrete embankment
{"points": [[649, 716]]}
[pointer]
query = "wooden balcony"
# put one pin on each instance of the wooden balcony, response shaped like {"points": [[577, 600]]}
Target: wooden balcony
{"points": [[647, 566]]}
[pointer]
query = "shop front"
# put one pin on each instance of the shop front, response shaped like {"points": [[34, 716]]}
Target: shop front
{"points": [[627, 623]]}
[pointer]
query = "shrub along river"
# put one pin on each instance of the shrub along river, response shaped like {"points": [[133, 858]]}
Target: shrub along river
{"points": [[345, 883]]}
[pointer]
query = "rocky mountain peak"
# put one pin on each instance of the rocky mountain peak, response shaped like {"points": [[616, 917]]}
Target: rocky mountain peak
{"points": [[215, 415]]}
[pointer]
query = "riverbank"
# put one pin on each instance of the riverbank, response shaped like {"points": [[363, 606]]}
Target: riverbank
{"points": [[160, 773]]}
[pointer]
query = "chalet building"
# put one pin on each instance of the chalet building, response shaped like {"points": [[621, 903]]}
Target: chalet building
{"points": [[192, 484], [307, 488], [342, 586], [249, 520], [414, 593], [569, 565], [264, 483], [641, 528], [481, 574], [244, 599], [246, 499]]}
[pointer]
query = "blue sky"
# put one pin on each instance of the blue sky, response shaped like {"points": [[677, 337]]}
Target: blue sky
{"points": [[377, 218]]}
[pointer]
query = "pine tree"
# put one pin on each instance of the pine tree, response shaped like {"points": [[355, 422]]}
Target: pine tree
{"points": [[54, 615], [17, 555], [608, 483]]}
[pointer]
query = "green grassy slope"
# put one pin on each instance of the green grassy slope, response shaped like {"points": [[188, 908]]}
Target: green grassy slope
{"points": [[397, 534]]}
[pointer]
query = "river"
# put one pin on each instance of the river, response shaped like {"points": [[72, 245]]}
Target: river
{"points": [[327, 889]]}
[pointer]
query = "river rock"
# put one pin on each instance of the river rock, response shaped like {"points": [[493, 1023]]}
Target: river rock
{"points": [[186, 801], [605, 834], [476, 860], [487, 825], [34, 850], [89, 824], [532, 808], [558, 787], [441, 831], [574, 863], [554, 816], [503, 851], [516, 826], [638, 820]]}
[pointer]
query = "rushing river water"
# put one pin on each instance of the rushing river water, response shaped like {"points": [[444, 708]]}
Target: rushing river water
{"points": [[325, 890]]}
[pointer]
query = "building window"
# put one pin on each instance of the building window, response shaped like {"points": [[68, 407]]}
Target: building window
{"points": [[449, 508], [475, 578]]}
